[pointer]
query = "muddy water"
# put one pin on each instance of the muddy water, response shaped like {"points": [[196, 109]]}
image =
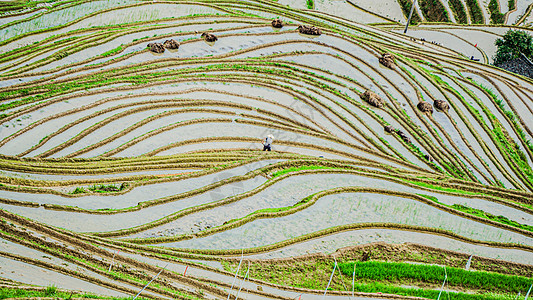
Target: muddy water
{"points": [[447, 40], [523, 107], [234, 130], [484, 40], [59, 17], [340, 209], [154, 125], [89, 223], [26, 141], [494, 208], [282, 194], [449, 128], [150, 12], [253, 146], [388, 8], [227, 44], [484, 136], [331, 243], [116, 127], [521, 7], [325, 62], [8, 19], [146, 192], [86, 222], [17, 249], [298, 107], [124, 15], [29, 274], [32, 136], [37, 176], [15, 65], [97, 50], [477, 148], [341, 105], [65, 106], [344, 10], [108, 130]]}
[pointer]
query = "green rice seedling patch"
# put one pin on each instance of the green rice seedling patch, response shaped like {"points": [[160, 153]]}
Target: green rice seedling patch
{"points": [[496, 17], [51, 291], [476, 14], [406, 9], [301, 168], [377, 278], [459, 11], [434, 11], [481, 213], [102, 188], [405, 272], [489, 216]]}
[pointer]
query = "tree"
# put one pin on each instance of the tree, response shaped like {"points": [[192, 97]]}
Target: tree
{"points": [[512, 44]]}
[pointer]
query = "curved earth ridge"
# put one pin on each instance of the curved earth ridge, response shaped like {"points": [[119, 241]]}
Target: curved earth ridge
{"points": [[107, 146]]}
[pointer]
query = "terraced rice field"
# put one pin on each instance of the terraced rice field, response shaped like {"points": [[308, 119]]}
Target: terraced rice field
{"points": [[120, 165]]}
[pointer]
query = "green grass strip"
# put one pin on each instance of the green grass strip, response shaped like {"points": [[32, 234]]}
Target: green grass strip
{"points": [[489, 216], [476, 15], [399, 272], [301, 168]]}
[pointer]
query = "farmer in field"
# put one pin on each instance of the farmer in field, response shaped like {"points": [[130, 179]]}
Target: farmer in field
{"points": [[267, 142]]}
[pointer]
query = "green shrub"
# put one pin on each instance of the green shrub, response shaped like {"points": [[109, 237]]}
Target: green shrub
{"points": [[310, 4], [512, 44]]}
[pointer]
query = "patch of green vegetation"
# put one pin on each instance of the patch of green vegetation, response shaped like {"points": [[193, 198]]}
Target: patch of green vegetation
{"points": [[496, 17], [438, 187], [434, 11], [503, 138], [79, 190], [512, 5], [514, 120], [301, 168], [512, 44], [108, 188], [376, 277], [476, 15], [406, 9], [310, 4], [488, 216], [7, 6], [113, 51], [50, 291], [405, 272], [500, 136], [61, 55], [480, 213], [458, 11]]}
